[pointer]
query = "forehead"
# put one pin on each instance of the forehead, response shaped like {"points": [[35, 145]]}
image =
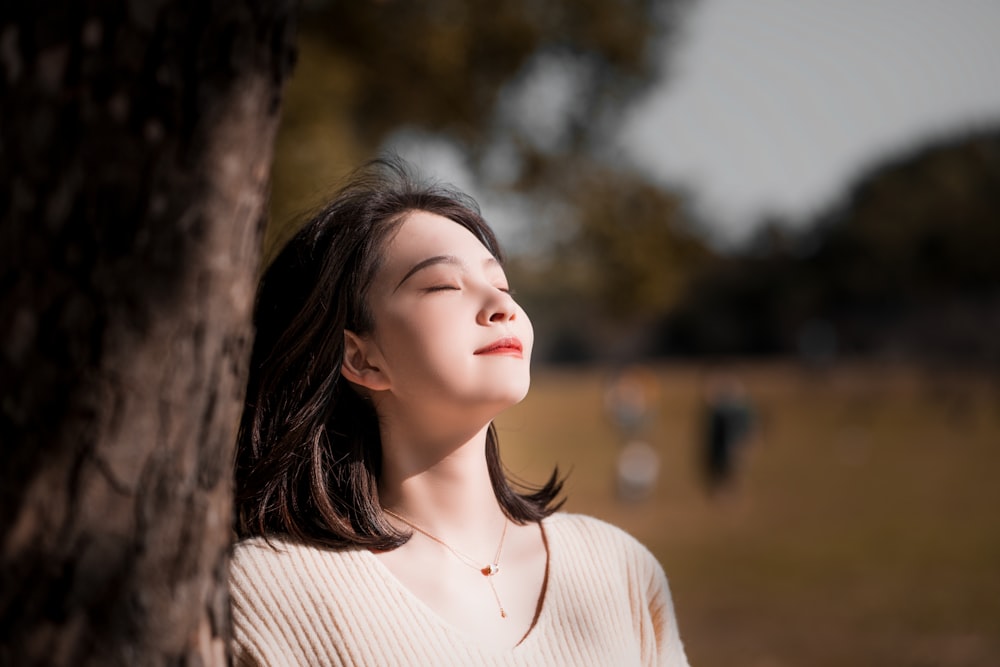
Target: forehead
{"points": [[422, 235]]}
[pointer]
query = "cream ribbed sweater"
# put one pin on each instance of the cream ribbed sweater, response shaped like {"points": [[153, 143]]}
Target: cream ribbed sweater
{"points": [[606, 603]]}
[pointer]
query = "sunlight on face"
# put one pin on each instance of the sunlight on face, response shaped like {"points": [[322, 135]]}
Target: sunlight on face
{"points": [[449, 334]]}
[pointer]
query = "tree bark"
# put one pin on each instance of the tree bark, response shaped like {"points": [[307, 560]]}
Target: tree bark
{"points": [[135, 150]]}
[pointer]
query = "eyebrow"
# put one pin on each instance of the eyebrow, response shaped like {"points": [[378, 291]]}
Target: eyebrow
{"points": [[439, 259]]}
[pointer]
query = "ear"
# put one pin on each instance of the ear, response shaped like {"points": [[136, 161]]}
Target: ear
{"points": [[361, 364]]}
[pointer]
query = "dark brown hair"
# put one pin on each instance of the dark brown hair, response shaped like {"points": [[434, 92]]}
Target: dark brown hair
{"points": [[309, 453]]}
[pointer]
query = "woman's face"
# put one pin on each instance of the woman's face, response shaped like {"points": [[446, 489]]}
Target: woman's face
{"points": [[447, 333]]}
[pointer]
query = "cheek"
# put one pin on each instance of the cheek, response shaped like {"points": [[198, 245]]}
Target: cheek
{"points": [[407, 340]]}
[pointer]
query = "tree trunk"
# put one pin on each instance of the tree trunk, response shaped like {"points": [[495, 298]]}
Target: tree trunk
{"points": [[135, 149]]}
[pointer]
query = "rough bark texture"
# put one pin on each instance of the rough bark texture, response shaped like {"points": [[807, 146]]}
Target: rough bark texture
{"points": [[135, 148]]}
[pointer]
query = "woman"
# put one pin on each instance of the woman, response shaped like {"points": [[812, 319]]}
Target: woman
{"points": [[377, 526]]}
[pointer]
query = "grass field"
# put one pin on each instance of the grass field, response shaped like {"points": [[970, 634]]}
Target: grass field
{"points": [[865, 528]]}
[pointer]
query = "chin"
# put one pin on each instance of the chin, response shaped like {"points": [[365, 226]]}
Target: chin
{"points": [[517, 394], [508, 396]]}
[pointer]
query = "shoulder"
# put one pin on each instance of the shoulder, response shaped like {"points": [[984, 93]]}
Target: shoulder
{"points": [[265, 547], [582, 537], [265, 553], [590, 530], [277, 587], [257, 566], [262, 567], [568, 521], [286, 598]]}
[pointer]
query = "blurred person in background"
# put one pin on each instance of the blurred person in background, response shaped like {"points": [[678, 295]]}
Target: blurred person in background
{"points": [[631, 399], [726, 430]]}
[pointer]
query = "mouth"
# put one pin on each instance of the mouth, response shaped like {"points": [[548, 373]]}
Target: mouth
{"points": [[504, 346]]}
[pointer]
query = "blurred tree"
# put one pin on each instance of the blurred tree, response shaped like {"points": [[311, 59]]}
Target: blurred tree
{"points": [[136, 145], [457, 69], [630, 249], [910, 264], [929, 219], [442, 65], [906, 265]]}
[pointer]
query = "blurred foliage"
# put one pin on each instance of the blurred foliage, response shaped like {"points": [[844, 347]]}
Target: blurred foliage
{"points": [[317, 143], [623, 258], [463, 71], [907, 265], [931, 221], [633, 254], [441, 64]]}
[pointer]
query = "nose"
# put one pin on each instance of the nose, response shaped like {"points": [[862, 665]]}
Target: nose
{"points": [[498, 308]]}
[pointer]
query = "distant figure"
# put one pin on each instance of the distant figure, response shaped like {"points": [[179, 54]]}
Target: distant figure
{"points": [[728, 425], [638, 470], [631, 399]]}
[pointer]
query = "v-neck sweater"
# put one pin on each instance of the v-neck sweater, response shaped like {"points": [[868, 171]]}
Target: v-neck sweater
{"points": [[606, 602]]}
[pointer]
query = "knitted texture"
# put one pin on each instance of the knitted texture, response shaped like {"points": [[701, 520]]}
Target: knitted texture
{"points": [[606, 603]]}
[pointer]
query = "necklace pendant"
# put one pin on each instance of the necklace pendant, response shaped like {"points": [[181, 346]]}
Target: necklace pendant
{"points": [[490, 570]]}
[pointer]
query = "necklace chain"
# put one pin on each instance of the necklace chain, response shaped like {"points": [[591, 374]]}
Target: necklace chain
{"points": [[489, 570]]}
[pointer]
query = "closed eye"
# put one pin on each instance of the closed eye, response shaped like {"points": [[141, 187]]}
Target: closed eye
{"points": [[441, 288]]}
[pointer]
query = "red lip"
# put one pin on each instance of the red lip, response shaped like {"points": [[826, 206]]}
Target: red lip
{"points": [[507, 345]]}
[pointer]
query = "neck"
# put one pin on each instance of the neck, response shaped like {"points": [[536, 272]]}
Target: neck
{"points": [[440, 484]]}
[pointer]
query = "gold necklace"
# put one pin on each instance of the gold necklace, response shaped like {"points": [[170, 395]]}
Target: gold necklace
{"points": [[489, 570]]}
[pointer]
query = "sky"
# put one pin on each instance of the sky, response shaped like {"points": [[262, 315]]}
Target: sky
{"points": [[773, 107]]}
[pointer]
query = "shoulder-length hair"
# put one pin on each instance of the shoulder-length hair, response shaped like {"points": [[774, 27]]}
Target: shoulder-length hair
{"points": [[309, 454]]}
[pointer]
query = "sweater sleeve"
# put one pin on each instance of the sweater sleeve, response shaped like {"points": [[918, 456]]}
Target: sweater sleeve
{"points": [[665, 647]]}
